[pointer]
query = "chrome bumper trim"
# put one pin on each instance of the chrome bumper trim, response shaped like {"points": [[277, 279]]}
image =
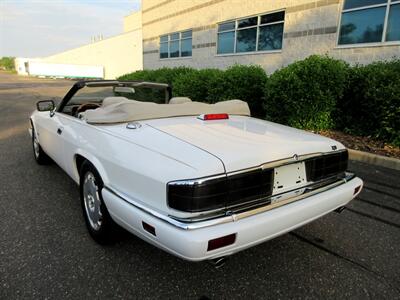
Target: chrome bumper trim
{"points": [[192, 224], [269, 165]]}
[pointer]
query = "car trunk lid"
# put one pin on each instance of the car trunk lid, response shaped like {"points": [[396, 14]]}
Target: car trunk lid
{"points": [[243, 142]]}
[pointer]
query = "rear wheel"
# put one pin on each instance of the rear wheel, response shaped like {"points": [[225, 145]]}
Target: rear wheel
{"points": [[98, 221], [40, 156]]}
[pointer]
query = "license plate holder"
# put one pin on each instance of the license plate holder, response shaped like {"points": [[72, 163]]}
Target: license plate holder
{"points": [[289, 177]]}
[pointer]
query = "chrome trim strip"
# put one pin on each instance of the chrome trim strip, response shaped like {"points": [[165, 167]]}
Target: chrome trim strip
{"points": [[269, 165], [196, 181], [256, 203], [188, 224], [147, 210]]}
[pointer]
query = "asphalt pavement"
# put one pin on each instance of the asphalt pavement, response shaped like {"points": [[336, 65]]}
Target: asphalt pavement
{"points": [[46, 252]]}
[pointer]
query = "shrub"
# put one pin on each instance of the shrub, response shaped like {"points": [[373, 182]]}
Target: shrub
{"points": [[371, 104], [163, 75], [238, 82], [248, 84], [200, 85], [7, 63], [304, 94]]}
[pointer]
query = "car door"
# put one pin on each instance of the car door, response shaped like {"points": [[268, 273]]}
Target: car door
{"points": [[72, 139], [49, 129]]}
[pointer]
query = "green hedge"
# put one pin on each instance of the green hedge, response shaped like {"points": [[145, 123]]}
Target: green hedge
{"points": [[163, 75], [246, 83], [317, 93], [200, 85], [371, 104], [237, 82], [304, 94], [212, 85]]}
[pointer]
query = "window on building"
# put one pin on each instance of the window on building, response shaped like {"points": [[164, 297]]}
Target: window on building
{"points": [[178, 44], [370, 21], [259, 33]]}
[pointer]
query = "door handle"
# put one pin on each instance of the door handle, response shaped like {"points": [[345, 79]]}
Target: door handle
{"points": [[60, 130]]}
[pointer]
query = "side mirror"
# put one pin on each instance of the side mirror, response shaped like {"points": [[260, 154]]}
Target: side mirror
{"points": [[45, 105]]}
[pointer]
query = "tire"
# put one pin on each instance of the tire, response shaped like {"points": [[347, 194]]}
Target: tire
{"points": [[40, 156], [98, 221]]}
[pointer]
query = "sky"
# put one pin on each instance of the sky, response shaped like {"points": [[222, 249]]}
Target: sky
{"points": [[33, 28]]}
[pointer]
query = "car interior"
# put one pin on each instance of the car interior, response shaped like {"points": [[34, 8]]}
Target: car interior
{"points": [[101, 102], [92, 97]]}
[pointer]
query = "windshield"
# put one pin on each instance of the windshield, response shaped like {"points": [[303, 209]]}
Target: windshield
{"points": [[93, 95]]}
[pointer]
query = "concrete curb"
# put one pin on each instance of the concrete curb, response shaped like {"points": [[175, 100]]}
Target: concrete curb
{"points": [[373, 159]]}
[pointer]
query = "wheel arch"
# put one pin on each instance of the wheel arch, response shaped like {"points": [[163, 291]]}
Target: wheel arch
{"points": [[31, 125], [33, 120], [81, 156]]}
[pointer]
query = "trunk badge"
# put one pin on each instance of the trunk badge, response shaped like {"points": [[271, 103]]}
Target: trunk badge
{"points": [[295, 157]]}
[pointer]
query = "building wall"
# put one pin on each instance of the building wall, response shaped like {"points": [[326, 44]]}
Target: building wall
{"points": [[118, 55], [311, 27], [133, 21], [20, 65]]}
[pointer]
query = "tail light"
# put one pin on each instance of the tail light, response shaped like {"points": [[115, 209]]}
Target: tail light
{"points": [[210, 117], [207, 194], [326, 166]]}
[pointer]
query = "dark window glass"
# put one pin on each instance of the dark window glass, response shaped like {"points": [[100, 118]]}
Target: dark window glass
{"points": [[163, 50], [270, 37], [174, 36], [362, 26], [247, 22], [164, 38], [275, 17], [186, 47], [186, 34], [226, 26], [226, 42], [174, 49], [360, 3], [246, 40], [393, 28]]}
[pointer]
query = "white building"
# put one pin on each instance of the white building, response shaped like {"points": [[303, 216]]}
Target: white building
{"points": [[107, 58]]}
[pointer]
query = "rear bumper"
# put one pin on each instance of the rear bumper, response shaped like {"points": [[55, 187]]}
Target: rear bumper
{"points": [[192, 244]]}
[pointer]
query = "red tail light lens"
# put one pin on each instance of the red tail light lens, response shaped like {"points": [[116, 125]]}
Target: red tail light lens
{"points": [[210, 117], [221, 242]]}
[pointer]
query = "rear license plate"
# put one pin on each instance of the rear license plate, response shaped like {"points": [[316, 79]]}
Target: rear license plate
{"points": [[289, 177]]}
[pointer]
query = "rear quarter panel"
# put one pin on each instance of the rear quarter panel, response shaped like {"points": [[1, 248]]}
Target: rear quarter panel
{"points": [[139, 164]]}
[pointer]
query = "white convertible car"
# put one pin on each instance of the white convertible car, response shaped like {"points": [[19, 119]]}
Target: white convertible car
{"points": [[201, 181]]}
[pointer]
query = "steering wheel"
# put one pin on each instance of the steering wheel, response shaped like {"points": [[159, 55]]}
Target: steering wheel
{"points": [[86, 106]]}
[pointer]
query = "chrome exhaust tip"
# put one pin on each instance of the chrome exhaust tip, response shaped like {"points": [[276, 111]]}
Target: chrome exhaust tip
{"points": [[339, 209], [218, 262]]}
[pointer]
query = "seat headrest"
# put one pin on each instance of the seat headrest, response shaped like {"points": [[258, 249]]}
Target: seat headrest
{"points": [[112, 100], [179, 100]]}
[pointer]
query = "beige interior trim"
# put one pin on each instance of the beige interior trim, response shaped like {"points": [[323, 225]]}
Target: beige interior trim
{"points": [[122, 110]]}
